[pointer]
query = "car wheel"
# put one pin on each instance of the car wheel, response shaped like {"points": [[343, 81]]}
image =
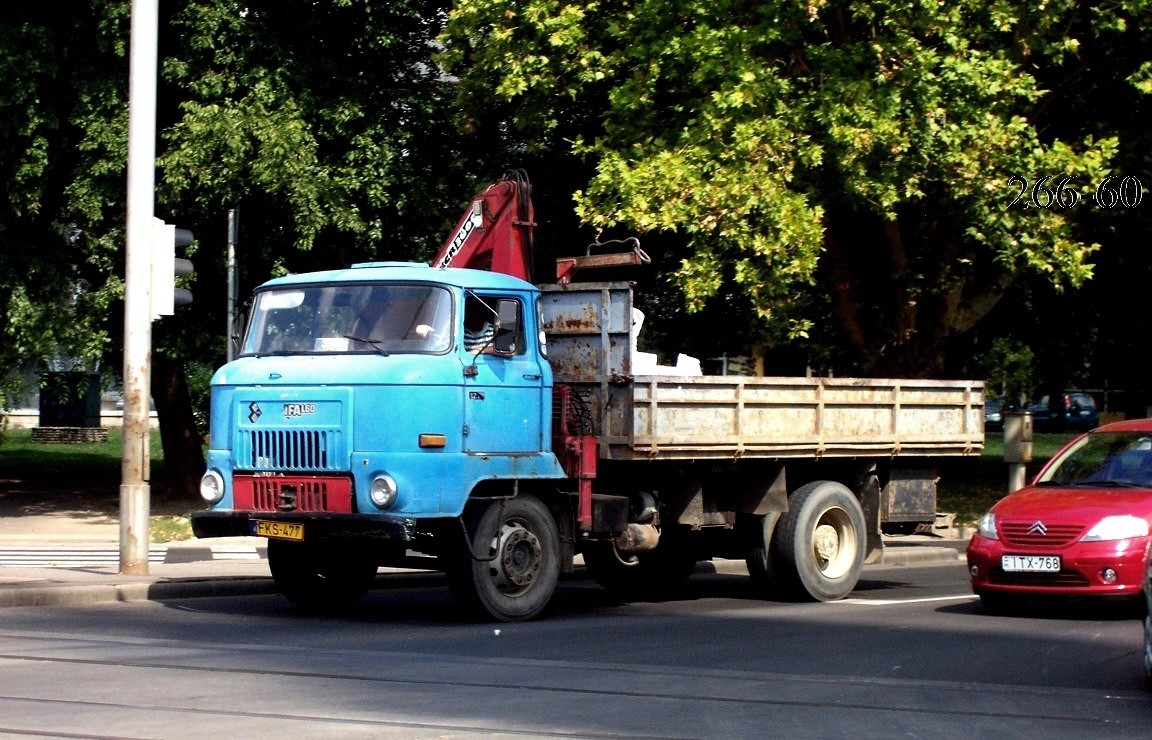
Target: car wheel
{"points": [[997, 604], [1148, 651]]}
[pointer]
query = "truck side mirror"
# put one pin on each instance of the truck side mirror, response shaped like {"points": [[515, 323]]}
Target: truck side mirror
{"points": [[507, 326]]}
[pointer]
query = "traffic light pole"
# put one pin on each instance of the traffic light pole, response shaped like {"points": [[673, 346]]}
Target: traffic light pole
{"points": [[233, 229], [134, 470]]}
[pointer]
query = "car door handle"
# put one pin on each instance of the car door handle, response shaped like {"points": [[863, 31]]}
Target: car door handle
{"points": [[532, 376]]}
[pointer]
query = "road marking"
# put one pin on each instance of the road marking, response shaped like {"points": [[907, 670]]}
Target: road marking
{"points": [[892, 602], [74, 557], [235, 552], [51, 557]]}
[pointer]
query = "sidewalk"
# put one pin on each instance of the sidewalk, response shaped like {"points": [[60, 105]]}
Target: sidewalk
{"points": [[52, 560]]}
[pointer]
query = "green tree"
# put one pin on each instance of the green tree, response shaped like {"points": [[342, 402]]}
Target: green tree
{"points": [[845, 164], [62, 122], [326, 124]]}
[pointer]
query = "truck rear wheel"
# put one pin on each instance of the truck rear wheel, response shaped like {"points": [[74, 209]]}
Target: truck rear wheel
{"points": [[321, 576], [818, 545], [517, 560], [756, 537]]}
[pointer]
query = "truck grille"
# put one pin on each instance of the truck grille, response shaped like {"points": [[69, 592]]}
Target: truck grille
{"points": [[292, 493], [287, 449]]}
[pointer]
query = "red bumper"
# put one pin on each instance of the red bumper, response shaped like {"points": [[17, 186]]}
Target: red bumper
{"points": [[1082, 569]]}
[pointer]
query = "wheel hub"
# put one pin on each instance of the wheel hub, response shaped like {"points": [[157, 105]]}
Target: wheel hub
{"points": [[518, 558], [827, 542]]}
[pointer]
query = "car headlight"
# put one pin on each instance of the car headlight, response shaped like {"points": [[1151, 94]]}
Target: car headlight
{"points": [[987, 527], [1118, 527], [382, 491], [212, 487]]}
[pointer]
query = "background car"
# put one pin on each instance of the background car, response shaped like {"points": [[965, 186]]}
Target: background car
{"points": [[1080, 529], [1071, 410], [993, 415]]}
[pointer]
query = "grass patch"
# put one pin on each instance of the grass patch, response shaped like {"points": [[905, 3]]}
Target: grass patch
{"points": [[169, 529], [83, 480], [100, 461]]}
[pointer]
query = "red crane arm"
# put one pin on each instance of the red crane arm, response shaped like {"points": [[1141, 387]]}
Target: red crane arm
{"points": [[496, 231]]}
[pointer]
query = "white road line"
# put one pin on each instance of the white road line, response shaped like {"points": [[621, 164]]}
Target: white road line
{"points": [[53, 557], [894, 602], [235, 552], [50, 557]]}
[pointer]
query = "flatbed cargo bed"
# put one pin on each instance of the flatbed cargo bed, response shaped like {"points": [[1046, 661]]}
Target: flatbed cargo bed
{"points": [[728, 417]]}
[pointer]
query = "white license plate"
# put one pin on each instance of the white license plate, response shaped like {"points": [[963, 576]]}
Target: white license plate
{"points": [[1030, 563]]}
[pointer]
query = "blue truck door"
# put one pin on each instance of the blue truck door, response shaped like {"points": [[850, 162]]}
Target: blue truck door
{"points": [[503, 410]]}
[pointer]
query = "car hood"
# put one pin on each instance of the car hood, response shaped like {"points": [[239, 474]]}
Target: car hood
{"points": [[1074, 504]]}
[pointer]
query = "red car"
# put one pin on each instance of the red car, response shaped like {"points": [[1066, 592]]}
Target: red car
{"points": [[1080, 529]]}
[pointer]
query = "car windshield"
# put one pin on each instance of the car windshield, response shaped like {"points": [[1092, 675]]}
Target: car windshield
{"points": [[341, 319], [1104, 459]]}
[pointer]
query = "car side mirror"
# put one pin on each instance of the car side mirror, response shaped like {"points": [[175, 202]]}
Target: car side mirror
{"points": [[507, 324]]}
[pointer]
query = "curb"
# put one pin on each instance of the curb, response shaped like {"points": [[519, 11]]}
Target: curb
{"points": [[102, 593]]}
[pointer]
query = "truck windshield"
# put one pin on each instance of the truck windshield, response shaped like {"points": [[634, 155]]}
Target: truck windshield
{"points": [[342, 319]]}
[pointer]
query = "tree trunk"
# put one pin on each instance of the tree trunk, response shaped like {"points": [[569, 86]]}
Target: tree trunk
{"points": [[183, 450]]}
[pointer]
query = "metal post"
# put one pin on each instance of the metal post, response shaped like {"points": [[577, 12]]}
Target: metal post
{"points": [[1017, 447], [233, 228], [134, 470]]}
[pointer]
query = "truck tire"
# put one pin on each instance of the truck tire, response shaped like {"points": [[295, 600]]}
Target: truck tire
{"points": [[818, 545], [520, 546], [321, 576], [756, 533], [659, 574]]}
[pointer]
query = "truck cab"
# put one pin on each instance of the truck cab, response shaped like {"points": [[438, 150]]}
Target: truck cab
{"points": [[364, 408]]}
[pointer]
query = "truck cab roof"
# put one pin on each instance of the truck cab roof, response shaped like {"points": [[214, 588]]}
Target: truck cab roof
{"points": [[405, 272]]}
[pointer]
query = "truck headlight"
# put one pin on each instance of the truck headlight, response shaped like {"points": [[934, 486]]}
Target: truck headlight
{"points": [[212, 487], [382, 491]]}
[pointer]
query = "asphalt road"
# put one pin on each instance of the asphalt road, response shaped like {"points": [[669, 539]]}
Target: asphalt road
{"points": [[909, 654]]}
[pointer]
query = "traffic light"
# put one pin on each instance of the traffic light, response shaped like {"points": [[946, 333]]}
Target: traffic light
{"points": [[166, 266]]}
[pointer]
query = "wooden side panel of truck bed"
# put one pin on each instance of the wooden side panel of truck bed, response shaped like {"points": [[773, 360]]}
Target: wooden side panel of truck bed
{"points": [[726, 417]]}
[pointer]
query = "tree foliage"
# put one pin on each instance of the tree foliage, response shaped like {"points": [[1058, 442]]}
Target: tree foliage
{"points": [[327, 124], [62, 129], [845, 164]]}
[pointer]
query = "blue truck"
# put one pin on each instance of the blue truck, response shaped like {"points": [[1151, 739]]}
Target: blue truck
{"points": [[392, 413]]}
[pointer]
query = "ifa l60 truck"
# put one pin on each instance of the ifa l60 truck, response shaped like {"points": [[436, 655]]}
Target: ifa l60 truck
{"points": [[364, 424]]}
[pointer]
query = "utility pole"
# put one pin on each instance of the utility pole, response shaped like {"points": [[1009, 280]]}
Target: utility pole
{"points": [[233, 229], [134, 470]]}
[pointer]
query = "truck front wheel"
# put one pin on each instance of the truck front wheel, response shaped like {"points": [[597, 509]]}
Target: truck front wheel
{"points": [[513, 571], [323, 575], [818, 545]]}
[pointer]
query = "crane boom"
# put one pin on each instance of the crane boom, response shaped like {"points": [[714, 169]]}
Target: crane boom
{"points": [[496, 231]]}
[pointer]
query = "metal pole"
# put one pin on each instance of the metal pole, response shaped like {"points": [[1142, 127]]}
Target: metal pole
{"points": [[233, 228], [134, 472]]}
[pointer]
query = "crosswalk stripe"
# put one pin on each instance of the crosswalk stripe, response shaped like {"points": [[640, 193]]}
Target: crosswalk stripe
{"points": [[49, 557]]}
